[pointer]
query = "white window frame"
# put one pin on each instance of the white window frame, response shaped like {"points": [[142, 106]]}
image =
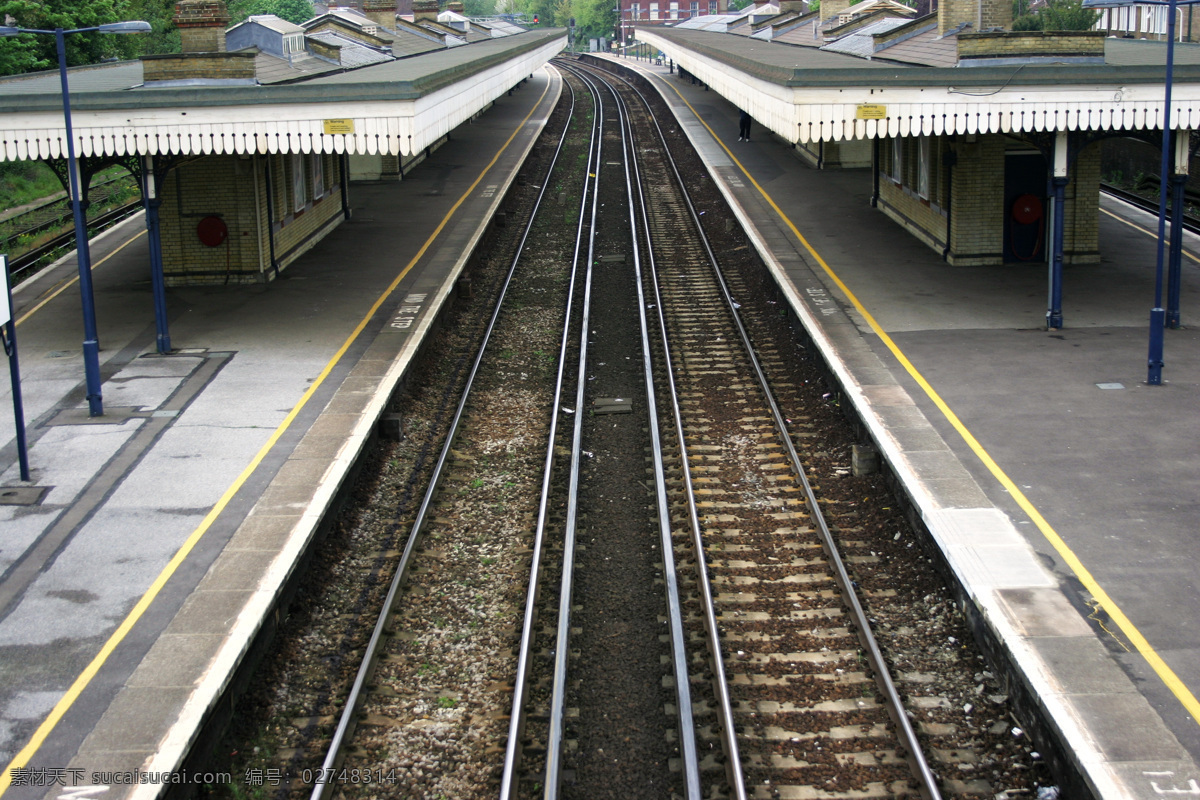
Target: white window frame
{"points": [[897, 171], [318, 175], [299, 187], [923, 166]]}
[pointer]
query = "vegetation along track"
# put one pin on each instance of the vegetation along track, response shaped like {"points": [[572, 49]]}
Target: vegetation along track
{"points": [[453, 664]]}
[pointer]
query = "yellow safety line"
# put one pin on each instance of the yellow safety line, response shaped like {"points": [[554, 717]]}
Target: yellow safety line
{"points": [[63, 286], [1164, 672], [1150, 233], [72, 694]]}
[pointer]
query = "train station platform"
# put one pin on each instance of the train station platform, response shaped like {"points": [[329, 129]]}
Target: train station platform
{"points": [[146, 552], [1060, 487]]}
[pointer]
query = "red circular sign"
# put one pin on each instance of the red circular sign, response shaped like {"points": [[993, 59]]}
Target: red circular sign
{"points": [[212, 231]]}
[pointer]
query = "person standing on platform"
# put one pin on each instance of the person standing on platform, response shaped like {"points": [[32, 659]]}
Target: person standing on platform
{"points": [[744, 127]]}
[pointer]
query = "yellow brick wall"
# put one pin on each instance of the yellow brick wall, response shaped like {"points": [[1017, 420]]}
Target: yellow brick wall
{"points": [[976, 193], [1081, 233], [182, 66], [234, 189], [842, 154], [1030, 43], [923, 217]]}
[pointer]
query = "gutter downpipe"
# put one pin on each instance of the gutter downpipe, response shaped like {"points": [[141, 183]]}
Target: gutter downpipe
{"points": [[345, 182], [158, 283], [271, 216], [950, 159], [875, 172]]}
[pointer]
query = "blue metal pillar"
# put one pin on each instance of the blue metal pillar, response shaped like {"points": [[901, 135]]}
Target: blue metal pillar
{"points": [[1158, 315], [1054, 315], [158, 284], [91, 342]]}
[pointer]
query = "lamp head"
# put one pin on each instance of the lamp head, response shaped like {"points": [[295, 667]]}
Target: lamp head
{"points": [[132, 26]]}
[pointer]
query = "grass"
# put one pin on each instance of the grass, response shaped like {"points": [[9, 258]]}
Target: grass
{"points": [[24, 182]]}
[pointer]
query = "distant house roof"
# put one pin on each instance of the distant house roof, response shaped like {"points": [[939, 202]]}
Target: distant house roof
{"points": [[861, 42], [502, 27], [269, 21], [352, 53], [918, 42]]}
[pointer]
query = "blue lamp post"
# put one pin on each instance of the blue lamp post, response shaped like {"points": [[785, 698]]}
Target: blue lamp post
{"points": [[91, 344], [1158, 315]]}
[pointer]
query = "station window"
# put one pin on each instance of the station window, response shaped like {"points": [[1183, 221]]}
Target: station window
{"points": [[318, 175], [695, 8], [712, 6], [653, 11], [896, 173], [299, 186], [923, 167], [635, 11]]}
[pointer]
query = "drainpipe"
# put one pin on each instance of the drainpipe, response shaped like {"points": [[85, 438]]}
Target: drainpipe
{"points": [[158, 284], [949, 158], [345, 176], [875, 172], [271, 216]]}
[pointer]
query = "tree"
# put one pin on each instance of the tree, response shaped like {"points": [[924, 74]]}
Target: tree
{"points": [[296, 11], [164, 36], [30, 52], [1056, 15], [480, 8]]}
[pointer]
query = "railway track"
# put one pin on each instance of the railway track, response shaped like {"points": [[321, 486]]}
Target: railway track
{"points": [[1150, 206], [56, 215], [619, 581]]}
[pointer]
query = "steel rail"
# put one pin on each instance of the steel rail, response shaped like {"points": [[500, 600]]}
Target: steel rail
{"points": [[689, 758], [366, 668], [516, 727], [554, 743], [926, 779], [65, 217], [1190, 224], [724, 709], [28, 260]]}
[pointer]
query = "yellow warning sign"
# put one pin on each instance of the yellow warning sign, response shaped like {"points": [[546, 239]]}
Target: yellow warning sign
{"points": [[868, 111], [333, 126]]}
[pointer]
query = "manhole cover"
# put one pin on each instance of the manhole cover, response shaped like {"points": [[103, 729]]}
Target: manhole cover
{"points": [[60, 354], [1110, 385]]}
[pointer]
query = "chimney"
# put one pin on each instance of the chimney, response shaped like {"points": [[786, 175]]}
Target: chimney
{"points": [[203, 59], [201, 25], [982, 15], [381, 12], [831, 8], [425, 10]]}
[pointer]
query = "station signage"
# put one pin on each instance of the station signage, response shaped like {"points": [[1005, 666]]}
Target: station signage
{"points": [[333, 126], [870, 111]]}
